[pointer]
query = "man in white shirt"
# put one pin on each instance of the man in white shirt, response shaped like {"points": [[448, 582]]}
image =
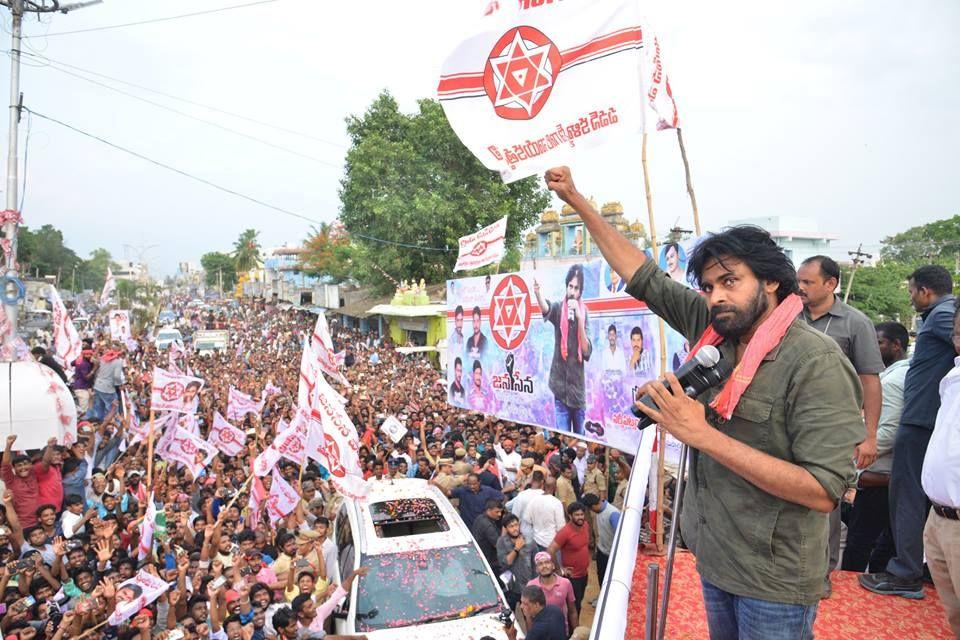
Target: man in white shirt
{"points": [[518, 506], [508, 457], [580, 462], [941, 483], [544, 515], [613, 358]]}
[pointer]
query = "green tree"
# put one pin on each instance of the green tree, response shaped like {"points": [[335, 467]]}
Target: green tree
{"points": [[881, 291], [936, 242], [409, 179], [246, 250], [217, 265], [93, 272], [43, 252]]}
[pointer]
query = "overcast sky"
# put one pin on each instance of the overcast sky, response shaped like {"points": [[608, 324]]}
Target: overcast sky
{"points": [[843, 112]]}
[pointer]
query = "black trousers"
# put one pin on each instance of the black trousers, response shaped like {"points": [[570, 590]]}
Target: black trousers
{"points": [[579, 588], [602, 560], [869, 539]]}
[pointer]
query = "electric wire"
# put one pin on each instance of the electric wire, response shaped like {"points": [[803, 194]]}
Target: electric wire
{"points": [[152, 20], [56, 63], [210, 123], [216, 186]]}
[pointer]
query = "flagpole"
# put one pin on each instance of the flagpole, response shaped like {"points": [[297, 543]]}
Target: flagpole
{"points": [[686, 171], [663, 341], [246, 482]]}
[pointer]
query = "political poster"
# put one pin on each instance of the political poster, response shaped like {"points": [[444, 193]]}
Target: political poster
{"points": [[393, 428], [120, 324], [135, 594], [563, 347], [174, 393]]}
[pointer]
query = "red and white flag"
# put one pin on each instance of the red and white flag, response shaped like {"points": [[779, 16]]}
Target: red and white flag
{"points": [[266, 461], [341, 442], [226, 437], [540, 80], [174, 393], [258, 495], [239, 404], [66, 340], [292, 443], [140, 432], [109, 286], [145, 545], [282, 498], [270, 389], [189, 450], [483, 247], [317, 357]]}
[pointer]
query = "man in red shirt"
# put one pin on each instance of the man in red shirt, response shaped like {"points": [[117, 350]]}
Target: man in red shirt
{"points": [[19, 478], [49, 480], [573, 543]]}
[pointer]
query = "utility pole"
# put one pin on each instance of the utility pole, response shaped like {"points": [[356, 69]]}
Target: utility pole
{"points": [[220, 280], [10, 218], [858, 259], [677, 234]]}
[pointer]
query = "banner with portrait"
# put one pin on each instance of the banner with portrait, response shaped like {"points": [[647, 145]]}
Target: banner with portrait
{"points": [[174, 393], [120, 324], [563, 347]]}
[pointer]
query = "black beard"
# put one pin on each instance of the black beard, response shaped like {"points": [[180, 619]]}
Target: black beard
{"points": [[741, 321]]}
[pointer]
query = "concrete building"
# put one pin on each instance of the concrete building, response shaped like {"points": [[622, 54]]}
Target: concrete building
{"points": [[800, 237]]}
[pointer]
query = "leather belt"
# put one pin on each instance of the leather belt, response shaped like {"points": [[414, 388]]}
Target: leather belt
{"points": [[950, 513]]}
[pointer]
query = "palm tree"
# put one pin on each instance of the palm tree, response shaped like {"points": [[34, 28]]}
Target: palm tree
{"points": [[246, 250]]}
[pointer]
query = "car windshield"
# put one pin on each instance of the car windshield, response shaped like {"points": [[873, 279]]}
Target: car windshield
{"points": [[414, 587], [169, 335]]}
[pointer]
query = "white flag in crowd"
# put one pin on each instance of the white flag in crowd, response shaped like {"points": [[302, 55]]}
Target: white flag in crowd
{"points": [[146, 529], [174, 393], [226, 437], [393, 428], [109, 286], [66, 340], [282, 499], [139, 432], [538, 82], [258, 495], [484, 247], [270, 389], [266, 461], [341, 442], [317, 356], [239, 404], [292, 443], [189, 450], [135, 594]]}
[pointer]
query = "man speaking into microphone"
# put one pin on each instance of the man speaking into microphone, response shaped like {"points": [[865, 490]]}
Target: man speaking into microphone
{"points": [[771, 448]]}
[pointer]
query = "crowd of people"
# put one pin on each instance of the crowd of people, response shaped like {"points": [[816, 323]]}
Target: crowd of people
{"points": [[71, 518]]}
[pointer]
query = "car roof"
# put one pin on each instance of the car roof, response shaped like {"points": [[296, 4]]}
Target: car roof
{"points": [[406, 489]]}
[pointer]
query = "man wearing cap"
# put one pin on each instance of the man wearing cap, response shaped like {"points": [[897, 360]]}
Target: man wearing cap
{"points": [[460, 466], [445, 478], [557, 589]]}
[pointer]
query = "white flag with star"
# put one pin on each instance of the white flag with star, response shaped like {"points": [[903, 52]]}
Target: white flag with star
{"points": [[487, 246], [536, 83]]}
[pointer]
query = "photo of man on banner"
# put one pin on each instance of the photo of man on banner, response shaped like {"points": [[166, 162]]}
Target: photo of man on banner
{"points": [[572, 348]]}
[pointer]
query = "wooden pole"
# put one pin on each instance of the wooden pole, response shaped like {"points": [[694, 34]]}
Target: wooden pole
{"points": [[246, 482], [663, 343], [690, 192]]}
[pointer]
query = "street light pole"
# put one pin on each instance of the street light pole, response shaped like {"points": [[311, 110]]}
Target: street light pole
{"points": [[11, 216]]}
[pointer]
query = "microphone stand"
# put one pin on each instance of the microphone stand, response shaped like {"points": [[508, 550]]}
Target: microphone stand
{"points": [[672, 544]]}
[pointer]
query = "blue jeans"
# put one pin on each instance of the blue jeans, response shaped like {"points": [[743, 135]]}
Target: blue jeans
{"points": [[101, 405], [569, 419], [733, 617]]}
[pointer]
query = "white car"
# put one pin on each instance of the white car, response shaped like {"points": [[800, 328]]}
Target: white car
{"points": [[427, 579], [167, 335]]}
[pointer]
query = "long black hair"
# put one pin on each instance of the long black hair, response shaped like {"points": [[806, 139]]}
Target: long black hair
{"points": [[755, 248]]}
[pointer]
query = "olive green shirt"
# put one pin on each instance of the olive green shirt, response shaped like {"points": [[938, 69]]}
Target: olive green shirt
{"points": [[802, 406]]}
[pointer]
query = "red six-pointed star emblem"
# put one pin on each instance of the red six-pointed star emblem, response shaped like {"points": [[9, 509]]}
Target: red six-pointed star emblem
{"points": [[171, 391], [510, 312], [520, 73]]}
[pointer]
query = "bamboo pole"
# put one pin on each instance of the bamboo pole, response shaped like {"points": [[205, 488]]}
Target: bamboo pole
{"points": [[150, 454], [663, 343], [690, 192]]}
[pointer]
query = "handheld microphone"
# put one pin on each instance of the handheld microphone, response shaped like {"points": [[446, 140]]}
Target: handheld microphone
{"points": [[705, 370]]}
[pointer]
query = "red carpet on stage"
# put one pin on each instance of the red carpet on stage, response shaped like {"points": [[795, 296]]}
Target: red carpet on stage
{"points": [[852, 613]]}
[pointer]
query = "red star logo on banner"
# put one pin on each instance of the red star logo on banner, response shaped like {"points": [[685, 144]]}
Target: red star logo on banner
{"points": [[520, 73], [510, 312]]}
